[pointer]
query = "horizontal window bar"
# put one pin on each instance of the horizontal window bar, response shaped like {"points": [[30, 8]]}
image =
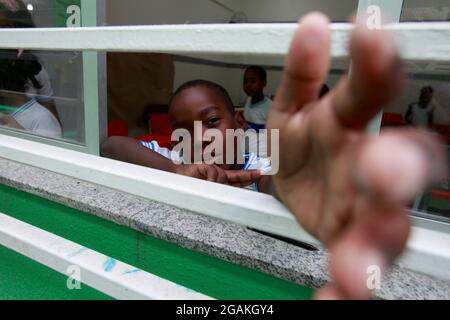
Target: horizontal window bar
{"points": [[416, 41]]}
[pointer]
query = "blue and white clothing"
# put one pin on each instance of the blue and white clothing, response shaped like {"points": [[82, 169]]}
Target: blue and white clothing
{"points": [[169, 154], [252, 160], [35, 118], [257, 113]]}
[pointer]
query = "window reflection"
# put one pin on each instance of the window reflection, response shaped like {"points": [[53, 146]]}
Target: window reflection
{"points": [[26, 89], [40, 92]]}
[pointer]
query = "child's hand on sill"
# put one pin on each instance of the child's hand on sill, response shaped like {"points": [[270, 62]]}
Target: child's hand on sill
{"points": [[212, 173], [345, 187]]}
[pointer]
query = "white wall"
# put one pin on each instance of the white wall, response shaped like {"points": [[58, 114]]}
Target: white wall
{"points": [[137, 12], [292, 10], [230, 78], [134, 12]]}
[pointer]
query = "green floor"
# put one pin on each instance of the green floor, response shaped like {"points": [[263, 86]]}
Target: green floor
{"points": [[21, 278]]}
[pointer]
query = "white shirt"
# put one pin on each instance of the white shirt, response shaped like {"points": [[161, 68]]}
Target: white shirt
{"points": [[420, 116], [35, 118], [257, 113]]}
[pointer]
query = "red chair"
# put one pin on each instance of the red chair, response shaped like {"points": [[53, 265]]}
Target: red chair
{"points": [[393, 119], [162, 128], [440, 194], [444, 131], [117, 128], [161, 124]]}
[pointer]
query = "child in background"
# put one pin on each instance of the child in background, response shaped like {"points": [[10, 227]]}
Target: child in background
{"points": [[258, 105], [420, 114]]}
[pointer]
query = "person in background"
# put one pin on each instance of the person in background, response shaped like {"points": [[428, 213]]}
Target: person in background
{"points": [[28, 114], [420, 114], [14, 14], [258, 105]]}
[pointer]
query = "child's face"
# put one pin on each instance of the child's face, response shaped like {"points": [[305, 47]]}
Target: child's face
{"points": [[203, 104], [425, 96], [253, 85]]}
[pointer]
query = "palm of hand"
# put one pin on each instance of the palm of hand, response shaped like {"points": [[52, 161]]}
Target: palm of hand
{"points": [[315, 177]]}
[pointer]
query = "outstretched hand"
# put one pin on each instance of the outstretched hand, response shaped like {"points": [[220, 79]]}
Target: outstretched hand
{"points": [[345, 187]]}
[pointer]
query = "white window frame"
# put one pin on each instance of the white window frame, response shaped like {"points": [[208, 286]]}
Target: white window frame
{"points": [[429, 247]]}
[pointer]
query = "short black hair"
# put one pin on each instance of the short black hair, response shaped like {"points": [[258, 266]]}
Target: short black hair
{"points": [[260, 72], [218, 89], [17, 14], [15, 72]]}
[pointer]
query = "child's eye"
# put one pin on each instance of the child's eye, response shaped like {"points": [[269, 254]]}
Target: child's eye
{"points": [[212, 122]]}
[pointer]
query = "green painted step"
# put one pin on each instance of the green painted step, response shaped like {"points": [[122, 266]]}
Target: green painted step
{"points": [[200, 272], [22, 278]]}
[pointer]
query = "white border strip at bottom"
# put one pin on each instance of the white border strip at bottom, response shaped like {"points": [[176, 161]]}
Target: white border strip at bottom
{"points": [[112, 277]]}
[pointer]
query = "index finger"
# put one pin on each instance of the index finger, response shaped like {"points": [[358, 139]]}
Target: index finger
{"points": [[375, 78], [242, 178], [307, 64]]}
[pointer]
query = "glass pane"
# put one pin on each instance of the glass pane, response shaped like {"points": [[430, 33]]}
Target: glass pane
{"points": [[144, 12], [426, 104], [41, 92], [154, 78], [430, 10]]}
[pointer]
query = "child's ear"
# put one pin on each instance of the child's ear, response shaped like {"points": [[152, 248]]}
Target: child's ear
{"points": [[240, 120]]}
